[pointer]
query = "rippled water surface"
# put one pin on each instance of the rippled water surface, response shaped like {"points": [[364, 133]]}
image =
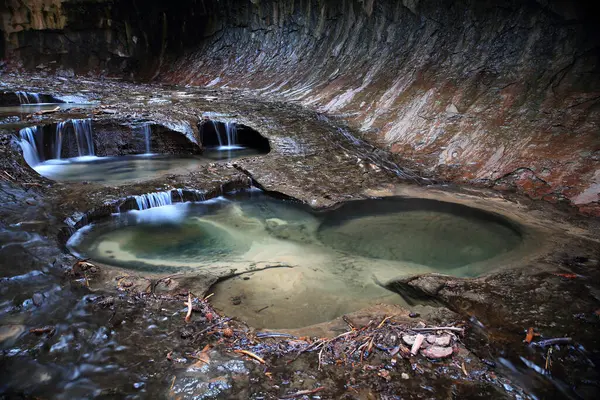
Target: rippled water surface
{"points": [[320, 265]]}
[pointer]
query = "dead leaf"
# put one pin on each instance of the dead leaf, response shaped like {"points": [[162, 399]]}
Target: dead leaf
{"points": [[566, 275]]}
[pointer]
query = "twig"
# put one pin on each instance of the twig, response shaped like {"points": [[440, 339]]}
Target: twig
{"points": [[310, 347], [211, 327], [188, 316], [349, 323], [250, 354], [438, 328], [266, 335], [329, 341], [9, 175], [550, 342], [303, 393], [42, 112], [383, 321]]}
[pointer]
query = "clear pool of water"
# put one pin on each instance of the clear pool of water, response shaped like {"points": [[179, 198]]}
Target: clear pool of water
{"points": [[130, 168], [320, 264]]}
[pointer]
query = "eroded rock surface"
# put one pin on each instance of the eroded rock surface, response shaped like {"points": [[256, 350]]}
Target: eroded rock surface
{"points": [[502, 93]]}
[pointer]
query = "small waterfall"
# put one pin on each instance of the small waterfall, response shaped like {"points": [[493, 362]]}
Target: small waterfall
{"points": [[231, 130], [58, 136], [29, 145], [28, 98], [83, 135], [228, 140], [218, 132], [151, 200], [147, 131], [32, 142]]}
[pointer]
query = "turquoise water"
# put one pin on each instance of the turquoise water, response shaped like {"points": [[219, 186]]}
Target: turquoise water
{"points": [[320, 264]]}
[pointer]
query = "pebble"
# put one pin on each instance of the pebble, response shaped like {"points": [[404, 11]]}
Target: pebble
{"points": [[414, 315], [405, 376], [409, 339], [443, 341], [38, 299], [437, 352], [8, 332]]}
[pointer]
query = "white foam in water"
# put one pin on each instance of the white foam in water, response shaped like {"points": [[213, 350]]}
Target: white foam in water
{"points": [[161, 214], [232, 147], [87, 159], [77, 238]]}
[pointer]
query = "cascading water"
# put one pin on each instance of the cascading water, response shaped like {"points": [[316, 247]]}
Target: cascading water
{"points": [[29, 145], [28, 98], [151, 200], [147, 132], [83, 135], [228, 139], [33, 147]]}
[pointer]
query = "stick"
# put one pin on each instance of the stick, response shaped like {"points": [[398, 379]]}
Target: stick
{"points": [[550, 342], [188, 316], [9, 175], [308, 348], [438, 328], [383, 321], [329, 341], [417, 345], [250, 354], [49, 111], [303, 393]]}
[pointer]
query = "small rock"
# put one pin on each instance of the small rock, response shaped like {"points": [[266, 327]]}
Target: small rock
{"points": [[38, 299], [228, 332], [409, 339], [405, 376], [186, 333], [414, 315], [237, 300], [437, 352], [443, 341], [384, 374], [431, 339], [107, 302]]}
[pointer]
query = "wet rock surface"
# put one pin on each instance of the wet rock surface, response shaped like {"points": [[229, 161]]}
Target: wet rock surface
{"points": [[101, 331]]}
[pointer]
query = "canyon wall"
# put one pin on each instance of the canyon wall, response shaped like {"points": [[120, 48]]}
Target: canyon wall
{"points": [[503, 93]]}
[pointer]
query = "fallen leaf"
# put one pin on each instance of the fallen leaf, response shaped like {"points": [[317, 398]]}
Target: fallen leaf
{"points": [[529, 336], [250, 354], [566, 275]]}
